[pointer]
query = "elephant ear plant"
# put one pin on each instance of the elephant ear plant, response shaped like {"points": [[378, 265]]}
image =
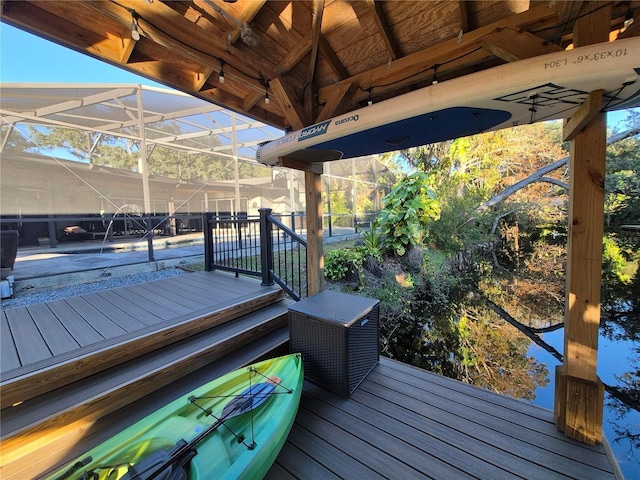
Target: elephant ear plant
{"points": [[408, 210]]}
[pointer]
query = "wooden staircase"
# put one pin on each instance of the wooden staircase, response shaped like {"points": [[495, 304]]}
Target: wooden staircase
{"points": [[61, 400]]}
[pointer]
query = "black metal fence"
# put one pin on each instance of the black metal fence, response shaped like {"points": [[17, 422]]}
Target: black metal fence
{"points": [[260, 246]]}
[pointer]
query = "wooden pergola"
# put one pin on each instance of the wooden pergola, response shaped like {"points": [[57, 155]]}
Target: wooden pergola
{"points": [[291, 64]]}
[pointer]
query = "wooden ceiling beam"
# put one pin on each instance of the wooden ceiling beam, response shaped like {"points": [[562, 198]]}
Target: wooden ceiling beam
{"points": [[41, 22], [316, 26], [295, 55], [464, 16], [251, 100], [126, 44], [200, 78], [415, 68], [171, 30], [388, 37], [587, 112], [248, 13], [292, 108], [338, 102], [512, 44], [330, 56]]}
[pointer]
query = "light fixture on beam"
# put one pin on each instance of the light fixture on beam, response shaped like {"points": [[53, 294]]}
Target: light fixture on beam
{"points": [[246, 34], [266, 97], [221, 75], [135, 34], [628, 18]]}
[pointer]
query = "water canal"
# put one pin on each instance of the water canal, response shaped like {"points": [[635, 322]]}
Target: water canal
{"points": [[614, 359]]}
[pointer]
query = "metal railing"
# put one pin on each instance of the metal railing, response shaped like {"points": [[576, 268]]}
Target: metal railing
{"points": [[258, 246]]}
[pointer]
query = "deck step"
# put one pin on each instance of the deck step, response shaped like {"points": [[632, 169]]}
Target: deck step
{"points": [[37, 378], [62, 416]]}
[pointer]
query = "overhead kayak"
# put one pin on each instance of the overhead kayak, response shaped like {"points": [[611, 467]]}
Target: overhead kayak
{"points": [[232, 427]]}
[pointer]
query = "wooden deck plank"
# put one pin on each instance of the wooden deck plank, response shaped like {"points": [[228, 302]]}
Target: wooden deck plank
{"points": [[159, 299], [405, 442], [121, 303], [99, 321], [179, 296], [487, 415], [301, 465], [78, 327], [58, 339], [509, 453], [479, 459], [196, 283], [227, 283], [538, 458], [519, 413], [334, 457], [443, 444], [29, 343], [22, 383], [471, 390], [358, 448], [141, 302], [117, 316], [8, 354], [277, 472], [121, 385]]}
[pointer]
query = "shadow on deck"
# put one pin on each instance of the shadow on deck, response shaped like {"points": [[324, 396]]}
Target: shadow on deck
{"points": [[163, 339]]}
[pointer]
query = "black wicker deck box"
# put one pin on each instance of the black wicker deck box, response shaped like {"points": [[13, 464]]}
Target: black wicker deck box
{"points": [[337, 335]]}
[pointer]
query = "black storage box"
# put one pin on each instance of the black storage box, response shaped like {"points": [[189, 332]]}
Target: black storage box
{"points": [[337, 335]]}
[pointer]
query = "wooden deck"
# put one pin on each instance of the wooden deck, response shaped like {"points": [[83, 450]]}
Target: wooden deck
{"points": [[406, 423], [48, 345], [68, 363], [401, 422]]}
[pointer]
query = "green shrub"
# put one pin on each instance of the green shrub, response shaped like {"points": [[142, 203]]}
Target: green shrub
{"points": [[343, 264], [372, 241], [408, 210]]}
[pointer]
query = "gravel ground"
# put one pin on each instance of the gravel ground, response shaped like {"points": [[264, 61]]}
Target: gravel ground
{"points": [[26, 299]]}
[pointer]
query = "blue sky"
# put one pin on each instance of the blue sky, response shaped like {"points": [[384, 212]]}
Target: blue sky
{"points": [[28, 58]]}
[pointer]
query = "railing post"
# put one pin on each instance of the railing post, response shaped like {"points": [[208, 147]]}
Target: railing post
{"points": [[266, 246], [208, 241], [293, 221], [149, 234]]}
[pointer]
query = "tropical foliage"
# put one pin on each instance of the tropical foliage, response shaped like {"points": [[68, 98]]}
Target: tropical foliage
{"points": [[443, 252]]}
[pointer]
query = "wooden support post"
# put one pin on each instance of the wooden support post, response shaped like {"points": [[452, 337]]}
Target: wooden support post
{"points": [[315, 259], [579, 394]]}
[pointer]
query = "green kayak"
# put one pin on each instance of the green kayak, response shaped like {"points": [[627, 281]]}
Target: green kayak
{"points": [[232, 427]]}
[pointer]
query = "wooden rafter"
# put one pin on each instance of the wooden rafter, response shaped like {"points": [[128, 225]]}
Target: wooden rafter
{"points": [[415, 68], [316, 32], [291, 105], [331, 57], [337, 102], [511, 44], [393, 49], [587, 111], [318, 49], [464, 16], [294, 56]]}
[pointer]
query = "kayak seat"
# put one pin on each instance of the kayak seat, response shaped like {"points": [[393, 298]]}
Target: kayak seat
{"points": [[149, 465]]}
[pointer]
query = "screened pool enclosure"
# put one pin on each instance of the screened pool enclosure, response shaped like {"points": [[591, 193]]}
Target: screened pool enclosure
{"points": [[84, 162]]}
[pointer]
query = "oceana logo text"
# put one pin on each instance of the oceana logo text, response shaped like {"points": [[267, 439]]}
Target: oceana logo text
{"points": [[314, 130], [352, 118]]}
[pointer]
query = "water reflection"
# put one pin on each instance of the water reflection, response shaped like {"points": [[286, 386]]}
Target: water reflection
{"points": [[614, 358]]}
